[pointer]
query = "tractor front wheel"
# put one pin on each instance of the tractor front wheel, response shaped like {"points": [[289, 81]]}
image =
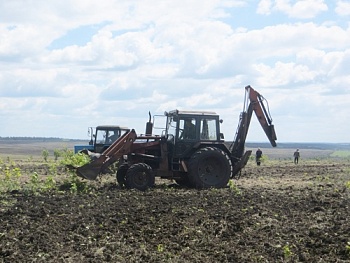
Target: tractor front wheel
{"points": [[139, 176], [210, 167]]}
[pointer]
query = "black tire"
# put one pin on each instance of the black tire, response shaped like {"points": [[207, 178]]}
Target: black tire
{"points": [[184, 181], [210, 167], [140, 176], [121, 175]]}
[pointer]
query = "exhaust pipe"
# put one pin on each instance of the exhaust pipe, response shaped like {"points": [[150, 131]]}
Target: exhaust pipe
{"points": [[149, 125]]}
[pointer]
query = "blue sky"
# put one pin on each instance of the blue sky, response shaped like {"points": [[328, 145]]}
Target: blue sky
{"points": [[68, 65]]}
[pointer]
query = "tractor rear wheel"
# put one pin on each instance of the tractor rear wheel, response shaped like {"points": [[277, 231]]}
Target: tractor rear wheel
{"points": [[139, 176], [121, 175], [210, 167]]}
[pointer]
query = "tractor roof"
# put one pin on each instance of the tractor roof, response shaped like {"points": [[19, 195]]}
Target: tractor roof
{"points": [[110, 127], [189, 112]]}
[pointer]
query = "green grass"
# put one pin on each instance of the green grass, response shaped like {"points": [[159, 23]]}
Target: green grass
{"points": [[41, 175], [341, 154]]}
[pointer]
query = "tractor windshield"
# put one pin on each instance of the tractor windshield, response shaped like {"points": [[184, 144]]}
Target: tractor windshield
{"points": [[107, 136], [171, 127], [208, 129], [187, 129], [101, 136]]}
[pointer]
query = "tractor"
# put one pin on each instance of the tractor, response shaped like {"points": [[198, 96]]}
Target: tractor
{"points": [[101, 139], [191, 149]]}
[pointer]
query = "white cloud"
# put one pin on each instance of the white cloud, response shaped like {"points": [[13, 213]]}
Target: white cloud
{"points": [[264, 7], [283, 74], [343, 8], [161, 55], [301, 9]]}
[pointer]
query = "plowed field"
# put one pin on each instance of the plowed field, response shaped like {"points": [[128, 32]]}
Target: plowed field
{"points": [[278, 212]]}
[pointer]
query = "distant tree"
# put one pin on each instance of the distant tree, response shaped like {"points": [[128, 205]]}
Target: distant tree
{"points": [[45, 154], [56, 153]]}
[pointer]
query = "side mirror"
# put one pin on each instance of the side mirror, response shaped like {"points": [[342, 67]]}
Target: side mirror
{"points": [[222, 136]]}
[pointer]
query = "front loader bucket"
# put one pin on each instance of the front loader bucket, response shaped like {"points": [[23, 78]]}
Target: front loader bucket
{"points": [[91, 170]]}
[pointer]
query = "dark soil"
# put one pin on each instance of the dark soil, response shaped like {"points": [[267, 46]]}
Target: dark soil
{"points": [[287, 213]]}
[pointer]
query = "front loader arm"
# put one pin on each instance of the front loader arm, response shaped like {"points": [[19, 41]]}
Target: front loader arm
{"points": [[122, 146]]}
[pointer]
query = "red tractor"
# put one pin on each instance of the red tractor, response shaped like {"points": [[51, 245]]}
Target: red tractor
{"points": [[191, 149]]}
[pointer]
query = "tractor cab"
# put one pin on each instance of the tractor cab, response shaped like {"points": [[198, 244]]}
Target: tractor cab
{"points": [[187, 130], [101, 138], [105, 135]]}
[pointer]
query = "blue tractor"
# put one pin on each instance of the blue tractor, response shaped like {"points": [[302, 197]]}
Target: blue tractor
{"points": [[101, 139]]}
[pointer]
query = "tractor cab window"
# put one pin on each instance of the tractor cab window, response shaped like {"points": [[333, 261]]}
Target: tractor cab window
{"points": [[101, 136], [208, 129], [187, 129], [171, 128], [113, 135]]}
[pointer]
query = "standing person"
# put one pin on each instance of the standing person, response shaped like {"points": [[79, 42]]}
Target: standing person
{"points": [[296, 156], [258, 155]]}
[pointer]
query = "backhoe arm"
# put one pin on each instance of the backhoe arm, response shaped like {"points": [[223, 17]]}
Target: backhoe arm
{"points": [[261, 112], [253, 102]]}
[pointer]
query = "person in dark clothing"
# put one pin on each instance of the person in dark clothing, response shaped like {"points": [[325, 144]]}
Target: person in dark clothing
{"points": [[113, 135], [189, 131], [296, 156], [258, 156]]}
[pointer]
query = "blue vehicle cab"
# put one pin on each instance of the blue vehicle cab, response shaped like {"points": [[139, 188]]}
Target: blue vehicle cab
{"points": [[101, 138]]}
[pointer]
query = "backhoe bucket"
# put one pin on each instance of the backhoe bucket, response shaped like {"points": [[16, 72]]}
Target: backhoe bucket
{"points": [[271, 134], [241, 163]]}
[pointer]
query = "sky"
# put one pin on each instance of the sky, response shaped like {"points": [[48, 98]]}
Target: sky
{"points": [[66, 65]]}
